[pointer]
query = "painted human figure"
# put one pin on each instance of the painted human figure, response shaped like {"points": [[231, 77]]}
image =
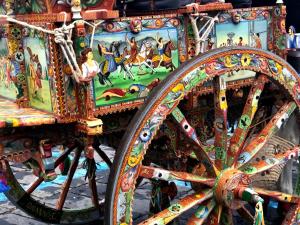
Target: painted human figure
{"points": [[9, 71], [35, 71], [2, 70], [76, 9], [292, 42], [32, 73], [109, 57], [257, 41], [229, 43], [89, 66], [240, 41], [9, 7], [39, 72], [146, 49], [133, 49], [160, 47], [210, 44]]}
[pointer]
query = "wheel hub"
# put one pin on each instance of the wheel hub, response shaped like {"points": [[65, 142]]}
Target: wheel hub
{"points": [[228, 185]]}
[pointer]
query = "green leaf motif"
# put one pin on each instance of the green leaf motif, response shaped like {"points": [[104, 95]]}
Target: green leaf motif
{"points": [[89, 3]]}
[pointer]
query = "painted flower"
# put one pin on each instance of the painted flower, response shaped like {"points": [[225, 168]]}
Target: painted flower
{"points": [[134, 160], [162, 110], [178, 88], [279, 67], [175, 22], [246, 60], [145, 135], [213, 66], [128, 180], [159, 23], [272, 66], [263, 64], [228, 62], [254, 61]]}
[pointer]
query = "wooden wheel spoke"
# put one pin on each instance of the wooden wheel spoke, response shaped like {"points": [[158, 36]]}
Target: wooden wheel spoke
{"points": [[250, 108], [220, 124], [226, 216], [202, 213], [269, 163], [178, 208], [167, 175], [102, 154], [244, 213], [66, 186], [35, 185], [190, 132], [63, 156], [292, 217], [271, 128], [185, 126], [280, 196], [59, 160], [215, 217], [93, 187]]}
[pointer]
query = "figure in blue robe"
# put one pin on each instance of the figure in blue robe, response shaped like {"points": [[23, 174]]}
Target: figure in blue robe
{"points": [[292, 38]]}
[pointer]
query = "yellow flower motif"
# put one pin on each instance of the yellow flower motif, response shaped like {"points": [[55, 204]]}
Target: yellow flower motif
{"points": [[179, 87], [134, 160], [222, 100], [12, 46], [228, 62], [246, 60], [287, 198], [16, 122], [281, 78], [279, 68], [82, 44]]}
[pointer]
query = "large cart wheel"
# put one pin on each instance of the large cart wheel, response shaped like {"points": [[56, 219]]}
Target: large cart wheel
{"points": [[226, 185], [55, 209]]}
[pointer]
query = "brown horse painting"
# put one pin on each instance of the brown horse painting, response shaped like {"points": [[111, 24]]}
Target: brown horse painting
{"points": [[167, 57]]}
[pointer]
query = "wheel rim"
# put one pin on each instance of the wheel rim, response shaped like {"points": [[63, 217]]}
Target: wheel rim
{"points": [[144, 126], [57, 213]]}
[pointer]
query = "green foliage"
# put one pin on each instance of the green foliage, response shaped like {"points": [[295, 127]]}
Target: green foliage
{"points": [[38, 6], [31, 6], [190, 31], [89, 3]]}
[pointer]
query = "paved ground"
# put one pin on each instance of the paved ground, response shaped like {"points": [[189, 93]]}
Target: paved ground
{"points": [[79, 194]]}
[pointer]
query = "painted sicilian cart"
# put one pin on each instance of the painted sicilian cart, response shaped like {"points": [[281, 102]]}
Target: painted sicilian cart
{"points": [[216, 137]]}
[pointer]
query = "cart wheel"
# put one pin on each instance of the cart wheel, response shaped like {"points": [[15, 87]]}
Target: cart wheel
{"points": [[59, 208], [226, 186]]}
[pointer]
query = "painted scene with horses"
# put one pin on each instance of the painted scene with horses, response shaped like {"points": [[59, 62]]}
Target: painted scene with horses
{"points": [[131, 65]]}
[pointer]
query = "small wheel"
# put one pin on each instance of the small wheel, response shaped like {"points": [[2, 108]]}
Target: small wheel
{"points": [[27, 191], [227, 183]]}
